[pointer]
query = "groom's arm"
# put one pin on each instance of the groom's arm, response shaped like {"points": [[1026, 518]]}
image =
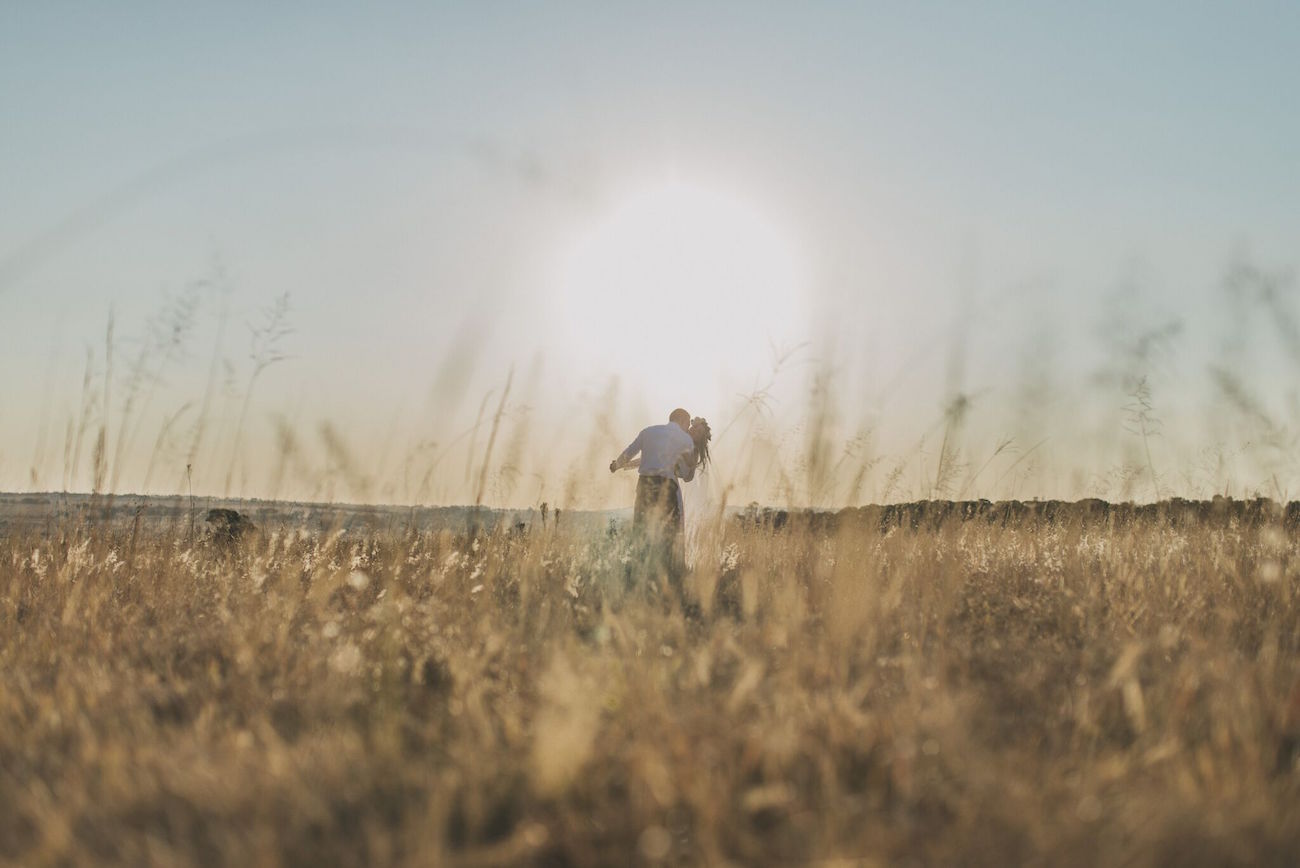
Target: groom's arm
{"points": [[685, 467], [625, 458]]}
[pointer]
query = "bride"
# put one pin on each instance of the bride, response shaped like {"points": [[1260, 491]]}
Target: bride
{"points": [[700, 495]]}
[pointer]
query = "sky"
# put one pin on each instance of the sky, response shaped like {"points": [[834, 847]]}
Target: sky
{"points": [[960, 246]]}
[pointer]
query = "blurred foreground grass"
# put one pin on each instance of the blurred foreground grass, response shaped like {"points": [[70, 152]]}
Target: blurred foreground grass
{"points": [[974, 694]]}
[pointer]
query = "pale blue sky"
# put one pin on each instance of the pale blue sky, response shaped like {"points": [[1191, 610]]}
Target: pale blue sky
{"points": [[401, 168]]}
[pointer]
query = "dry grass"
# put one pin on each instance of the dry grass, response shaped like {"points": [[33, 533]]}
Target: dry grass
{"points": [[974, 695]]}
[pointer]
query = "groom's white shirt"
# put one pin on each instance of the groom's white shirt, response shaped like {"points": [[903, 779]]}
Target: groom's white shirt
{"points": [[666, 450]]}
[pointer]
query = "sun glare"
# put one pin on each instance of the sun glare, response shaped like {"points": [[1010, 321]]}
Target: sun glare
{"points": [[679, 289]]}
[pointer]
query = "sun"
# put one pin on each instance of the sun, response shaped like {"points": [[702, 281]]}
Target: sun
{"points": [[679, 289]]}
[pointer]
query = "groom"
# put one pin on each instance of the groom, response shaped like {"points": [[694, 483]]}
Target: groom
{"points": [[667, 454]]}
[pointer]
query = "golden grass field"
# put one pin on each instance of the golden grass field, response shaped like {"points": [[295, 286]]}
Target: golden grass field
{"points": [[972, 693]]}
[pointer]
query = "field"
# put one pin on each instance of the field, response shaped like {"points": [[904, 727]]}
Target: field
{"points": [[1079, 689]]}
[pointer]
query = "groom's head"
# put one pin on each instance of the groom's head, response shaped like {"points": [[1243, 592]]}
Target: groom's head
{"points": [[681, 417]]}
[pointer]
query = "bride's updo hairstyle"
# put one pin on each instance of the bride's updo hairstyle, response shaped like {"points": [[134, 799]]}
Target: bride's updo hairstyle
{"points": [[701, 434]]}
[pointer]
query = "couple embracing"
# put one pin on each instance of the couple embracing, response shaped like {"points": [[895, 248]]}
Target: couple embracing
{"points": [[663, 455]]}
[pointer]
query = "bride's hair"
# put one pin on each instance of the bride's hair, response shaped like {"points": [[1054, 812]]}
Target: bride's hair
{"points": [[701, 434]]}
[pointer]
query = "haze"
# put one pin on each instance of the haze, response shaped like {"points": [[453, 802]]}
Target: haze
{"points": [[976, 250]]}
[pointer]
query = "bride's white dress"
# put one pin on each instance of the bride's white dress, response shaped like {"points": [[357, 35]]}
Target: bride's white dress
{"points": [[698, 510]]}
